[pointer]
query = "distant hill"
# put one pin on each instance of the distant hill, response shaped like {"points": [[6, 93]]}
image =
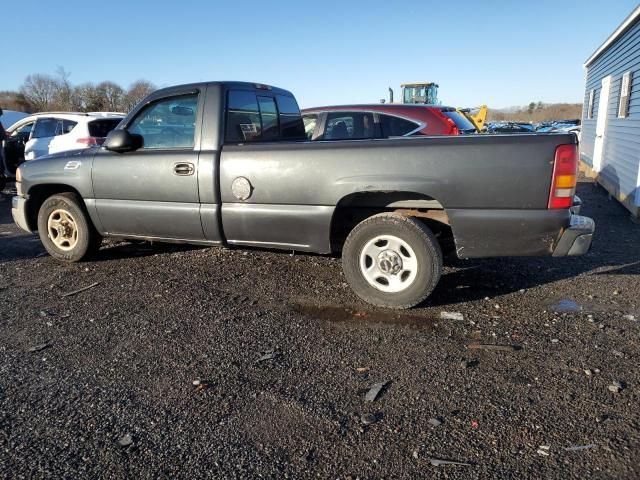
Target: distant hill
{"points": [[537, 112]]}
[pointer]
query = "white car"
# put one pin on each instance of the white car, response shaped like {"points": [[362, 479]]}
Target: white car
{"points": [[44, 133]]}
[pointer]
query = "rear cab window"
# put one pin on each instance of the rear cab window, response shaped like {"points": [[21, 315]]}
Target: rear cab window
{"points": [[255, 116]]}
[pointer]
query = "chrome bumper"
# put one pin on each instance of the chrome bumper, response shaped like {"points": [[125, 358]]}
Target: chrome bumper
{"points": [[576, 240]]}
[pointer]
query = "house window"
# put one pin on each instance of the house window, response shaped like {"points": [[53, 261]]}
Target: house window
{"points": [[590, 106], [625, 92]]}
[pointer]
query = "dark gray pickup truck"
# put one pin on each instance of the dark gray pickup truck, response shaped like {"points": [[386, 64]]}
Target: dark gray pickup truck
{"points": [[225, 163]]}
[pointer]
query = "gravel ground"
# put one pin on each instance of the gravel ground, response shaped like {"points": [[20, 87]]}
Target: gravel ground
{"points": [[286, 354]]}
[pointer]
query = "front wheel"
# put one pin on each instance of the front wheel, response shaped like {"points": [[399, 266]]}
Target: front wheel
{"points": [[392, 261], [65, 229]]}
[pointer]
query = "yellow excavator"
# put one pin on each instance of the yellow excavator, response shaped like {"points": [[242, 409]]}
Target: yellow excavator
{"points": [[427, 93]]}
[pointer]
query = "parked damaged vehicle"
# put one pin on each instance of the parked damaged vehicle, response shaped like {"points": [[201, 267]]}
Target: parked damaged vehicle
{"points": [[43, 133], [359, 122], [226, 163]]}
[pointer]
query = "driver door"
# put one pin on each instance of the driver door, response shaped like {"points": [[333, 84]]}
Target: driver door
{"points": [[14, 145], [153, 192]]}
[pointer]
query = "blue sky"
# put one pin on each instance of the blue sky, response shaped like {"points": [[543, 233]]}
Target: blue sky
{"points": [[500, 53]]}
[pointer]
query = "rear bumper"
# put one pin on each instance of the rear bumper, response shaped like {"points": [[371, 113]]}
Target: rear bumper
{"points": [[19, 212], [575, 240]]}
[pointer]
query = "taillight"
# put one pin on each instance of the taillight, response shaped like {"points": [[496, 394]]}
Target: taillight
{"points": [[90, 141], [452, 127], [563, 181]]}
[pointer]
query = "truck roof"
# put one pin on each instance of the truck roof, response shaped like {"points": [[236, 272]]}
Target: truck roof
{"points": [[226, 85]]}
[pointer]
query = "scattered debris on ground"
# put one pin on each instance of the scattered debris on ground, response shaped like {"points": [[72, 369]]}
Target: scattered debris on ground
{"points": [[543, 450], [451, 316], [434, 422], [80, 290], [374, 391], [123, 362], [577, 448], [125, 441], [268, 355], [437, 462], [368, 418], [39, 347], [616, 387], [493, 347]]}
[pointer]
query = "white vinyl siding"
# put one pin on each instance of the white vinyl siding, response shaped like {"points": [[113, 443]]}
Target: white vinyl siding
{"points": [[621, 152]]}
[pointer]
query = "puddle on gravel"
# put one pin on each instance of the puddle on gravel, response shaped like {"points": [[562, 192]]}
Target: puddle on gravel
{"points": [[566, 305], [350, 316]]}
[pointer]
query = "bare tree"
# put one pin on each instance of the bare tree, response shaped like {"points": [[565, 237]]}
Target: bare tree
{"points": [[63, 96], [88, 98], [112, 95], [15, 101], [40, 90], [137, 91], [542, 113]]}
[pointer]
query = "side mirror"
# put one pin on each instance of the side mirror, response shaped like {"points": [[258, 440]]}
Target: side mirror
{"points": [[122, 141]]}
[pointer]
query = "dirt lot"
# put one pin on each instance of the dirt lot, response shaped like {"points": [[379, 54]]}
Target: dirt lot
{"points": [[115, 365]]}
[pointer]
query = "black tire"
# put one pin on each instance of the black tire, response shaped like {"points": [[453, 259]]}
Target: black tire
{"points": [[88, 239], [421, 240]]}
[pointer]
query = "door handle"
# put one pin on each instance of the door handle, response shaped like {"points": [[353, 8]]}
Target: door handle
{"points": [[183, 168]]}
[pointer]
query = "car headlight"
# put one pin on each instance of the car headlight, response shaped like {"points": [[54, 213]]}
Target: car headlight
{"points": [[19, 182]]}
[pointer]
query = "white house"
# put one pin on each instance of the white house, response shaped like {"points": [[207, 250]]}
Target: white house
{"points": [[610, 140]]}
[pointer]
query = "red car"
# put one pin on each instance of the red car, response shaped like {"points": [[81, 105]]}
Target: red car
{"points": [[356, 122]]}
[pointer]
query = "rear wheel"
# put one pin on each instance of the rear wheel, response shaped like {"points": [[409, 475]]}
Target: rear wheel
{"points": [[65, 229], [392, 261]]}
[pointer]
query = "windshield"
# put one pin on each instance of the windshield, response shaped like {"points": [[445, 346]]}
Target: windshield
{"points": [[421, 94], [462, 122]]}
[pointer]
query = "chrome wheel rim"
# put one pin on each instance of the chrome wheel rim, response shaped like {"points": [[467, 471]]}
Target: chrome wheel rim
{"points": [[388, 263], [62, 229]]}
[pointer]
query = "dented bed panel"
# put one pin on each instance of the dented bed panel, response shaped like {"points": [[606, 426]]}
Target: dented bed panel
{"points": [[500, 233]]}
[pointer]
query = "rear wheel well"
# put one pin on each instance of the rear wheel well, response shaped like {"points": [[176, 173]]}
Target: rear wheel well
{"points": [[355, 208], [38, 194]]}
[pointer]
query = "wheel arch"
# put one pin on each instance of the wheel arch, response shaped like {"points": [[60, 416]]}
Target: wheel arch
{"points": [[37, 195], [357, 206]]}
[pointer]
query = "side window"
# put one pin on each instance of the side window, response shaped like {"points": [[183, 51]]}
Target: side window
{"points": [[243, 117], [625, 93], [167, 123], [349, 126], [310, 122], [67, 126], [269, 118], [590, 104], [45, 127], [24, 131], [396, 126], [291, 125]]}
